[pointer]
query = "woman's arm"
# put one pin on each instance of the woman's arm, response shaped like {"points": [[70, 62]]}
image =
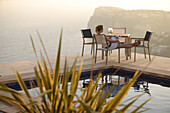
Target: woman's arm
{"points": [[111, 41]]}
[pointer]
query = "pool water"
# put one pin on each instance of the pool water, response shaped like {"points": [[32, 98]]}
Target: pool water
{"points": [[161, 94], [160, 103]]}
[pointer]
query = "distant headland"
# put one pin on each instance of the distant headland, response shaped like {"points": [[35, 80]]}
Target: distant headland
{"points": [[137, 22]]}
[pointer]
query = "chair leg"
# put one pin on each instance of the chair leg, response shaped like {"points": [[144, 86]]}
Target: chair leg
{"points": [[149, 54], [102, 54], [110, 52], [144, 53], [130, 52], [119, 55], [126, 53], [135, 55], [91, 49], [96, 56], [106, 57], [83, 49]]}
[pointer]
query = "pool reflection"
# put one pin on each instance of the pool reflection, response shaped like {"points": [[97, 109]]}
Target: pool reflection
{"points": [[117, 82]]}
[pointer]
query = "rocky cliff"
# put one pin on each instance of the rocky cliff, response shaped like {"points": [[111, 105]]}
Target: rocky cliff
{"points": [[137, 22]]}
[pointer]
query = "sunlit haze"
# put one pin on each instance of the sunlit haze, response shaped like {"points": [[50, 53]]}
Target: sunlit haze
{"points": [[68, 10], [88, 4], [19, 18]]}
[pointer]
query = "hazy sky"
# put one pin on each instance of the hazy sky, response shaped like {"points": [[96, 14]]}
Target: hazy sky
{"points": [[88, 4], [136, 4], [66, 11], [70, 8], [19, 18]]}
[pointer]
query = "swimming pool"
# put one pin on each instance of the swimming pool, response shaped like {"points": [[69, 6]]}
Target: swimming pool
{"points": [[160, 102], [161, 96]]}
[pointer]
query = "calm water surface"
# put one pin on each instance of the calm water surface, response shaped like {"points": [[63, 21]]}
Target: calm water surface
{"points": [[20, 18], [159, 103]]}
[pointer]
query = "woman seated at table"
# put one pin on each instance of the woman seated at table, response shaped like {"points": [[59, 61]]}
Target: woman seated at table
{"points": [[112, 40]]}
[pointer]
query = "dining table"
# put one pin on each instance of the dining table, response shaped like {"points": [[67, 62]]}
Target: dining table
{"points": [[127, 41]]}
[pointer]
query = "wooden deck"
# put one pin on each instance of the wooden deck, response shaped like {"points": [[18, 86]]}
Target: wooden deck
{"points": [[159, 67]]}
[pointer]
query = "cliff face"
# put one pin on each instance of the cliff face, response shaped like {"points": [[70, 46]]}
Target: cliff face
{"points": [[137, 22]]}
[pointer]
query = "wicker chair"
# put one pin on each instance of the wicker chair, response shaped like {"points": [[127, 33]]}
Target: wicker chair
{"points": [[119, 30], [99, 46]]}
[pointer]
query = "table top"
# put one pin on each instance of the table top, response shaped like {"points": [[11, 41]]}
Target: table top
{"points": [[121, 35]]}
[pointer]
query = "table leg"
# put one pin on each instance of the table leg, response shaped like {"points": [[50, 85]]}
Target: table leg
{"points": [[127, 51]]}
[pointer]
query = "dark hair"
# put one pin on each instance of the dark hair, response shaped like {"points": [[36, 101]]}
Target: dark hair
{"points": [[98, 28]]}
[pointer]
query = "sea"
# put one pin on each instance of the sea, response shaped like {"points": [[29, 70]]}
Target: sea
{"points": [[19, 20]]}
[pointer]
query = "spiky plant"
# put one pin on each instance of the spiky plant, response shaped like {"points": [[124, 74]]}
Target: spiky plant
{"points": [[54, 95]]}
